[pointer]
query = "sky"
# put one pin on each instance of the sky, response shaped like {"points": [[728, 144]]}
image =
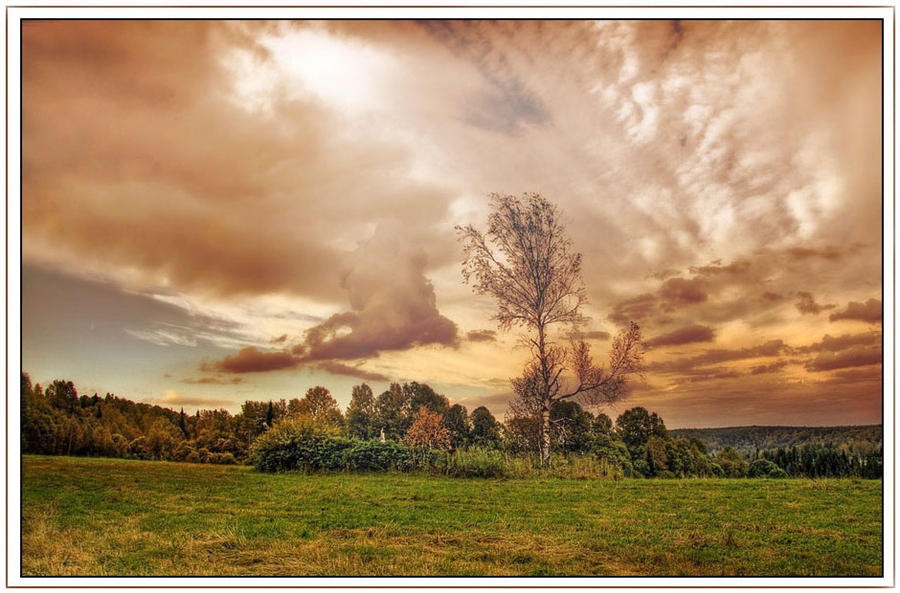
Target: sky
{"points": [[219, 211]]}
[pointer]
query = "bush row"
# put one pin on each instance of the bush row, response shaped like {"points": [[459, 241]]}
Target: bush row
{"points": [[302, 445]]}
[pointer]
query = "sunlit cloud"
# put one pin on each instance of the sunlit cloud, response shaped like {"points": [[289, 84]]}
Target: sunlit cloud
{"points": [[172, 399], [259, 203]]}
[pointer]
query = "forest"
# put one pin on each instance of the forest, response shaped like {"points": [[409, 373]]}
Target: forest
{"points": [[410, 427], [751, 438]]}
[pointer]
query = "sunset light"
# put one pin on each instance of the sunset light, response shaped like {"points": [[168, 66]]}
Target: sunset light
{"points": [[216, 211]]}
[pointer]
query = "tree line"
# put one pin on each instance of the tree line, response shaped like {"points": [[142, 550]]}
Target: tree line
{"points": [[409, 426], [57, 420], [748, 439]]}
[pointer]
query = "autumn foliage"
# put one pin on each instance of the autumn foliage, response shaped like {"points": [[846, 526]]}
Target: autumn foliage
{"points": [[427, 432]]}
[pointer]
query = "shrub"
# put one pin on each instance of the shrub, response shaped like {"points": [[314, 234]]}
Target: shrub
{"points": [[223, 458], [614, 453], [763, 468], [430, 460], [299, 444], [378, 456], [305, 445], [732, 463], [476, 463]]}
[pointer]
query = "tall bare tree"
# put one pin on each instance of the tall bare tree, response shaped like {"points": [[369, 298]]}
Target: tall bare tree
{"points": [[526, 262]]}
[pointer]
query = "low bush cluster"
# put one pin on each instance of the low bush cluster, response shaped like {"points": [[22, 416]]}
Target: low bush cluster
{"points": [[302, 445]]}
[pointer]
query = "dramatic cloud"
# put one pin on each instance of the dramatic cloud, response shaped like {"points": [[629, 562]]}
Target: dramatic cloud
{"points": [[394, 308], [393, 305], [803, 253], [274, 197], [684, 335], [216, 198], [870, 312]]}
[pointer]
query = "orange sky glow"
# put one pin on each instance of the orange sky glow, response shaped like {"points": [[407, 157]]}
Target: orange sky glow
{"points": [[214, 211]]}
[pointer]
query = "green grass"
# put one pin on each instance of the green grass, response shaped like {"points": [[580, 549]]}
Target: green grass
{"points": [[98, 517]]}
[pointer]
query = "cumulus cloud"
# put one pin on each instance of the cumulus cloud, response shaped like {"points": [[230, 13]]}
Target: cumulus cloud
{"points": [[253, 360], [393, 305], [830, 253], [596, 335], [393, 308], [716, 267], [634, 309]]}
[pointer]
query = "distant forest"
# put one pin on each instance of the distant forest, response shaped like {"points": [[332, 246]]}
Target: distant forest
{"points": [[749, 439]]}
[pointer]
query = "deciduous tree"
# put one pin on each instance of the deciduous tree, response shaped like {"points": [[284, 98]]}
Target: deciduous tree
{"points": [[485, 429], [319, 404], [426, 431], [527, 263], [392, 412], [361, 413], [456, 420]]}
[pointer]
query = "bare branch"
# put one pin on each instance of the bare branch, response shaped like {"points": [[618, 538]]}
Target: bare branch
{"points": [[525, 261]]}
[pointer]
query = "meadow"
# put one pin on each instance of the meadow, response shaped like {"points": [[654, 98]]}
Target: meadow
{"points": [[105, 517]]}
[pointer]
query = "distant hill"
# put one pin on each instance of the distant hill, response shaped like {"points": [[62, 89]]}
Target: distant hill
{"points": [[749, 438]]}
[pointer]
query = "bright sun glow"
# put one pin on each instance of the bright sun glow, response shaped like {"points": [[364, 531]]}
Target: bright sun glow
{"points": [[343, 74]]}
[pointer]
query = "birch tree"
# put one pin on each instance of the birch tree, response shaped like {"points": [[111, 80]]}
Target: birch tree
{"points": [[527, 263]]}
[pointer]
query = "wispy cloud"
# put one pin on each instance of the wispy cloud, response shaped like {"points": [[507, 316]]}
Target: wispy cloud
{"points": [[216, 380]]}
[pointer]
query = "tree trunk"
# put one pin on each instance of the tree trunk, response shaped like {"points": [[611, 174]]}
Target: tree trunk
{"points": [[545, 396], [545, 437]]}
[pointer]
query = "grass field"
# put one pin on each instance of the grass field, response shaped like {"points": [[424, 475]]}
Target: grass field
{"points": [[97, 517]]}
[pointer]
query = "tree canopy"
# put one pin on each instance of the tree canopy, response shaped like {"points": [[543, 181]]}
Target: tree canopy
{"points": [[526, 262]]}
